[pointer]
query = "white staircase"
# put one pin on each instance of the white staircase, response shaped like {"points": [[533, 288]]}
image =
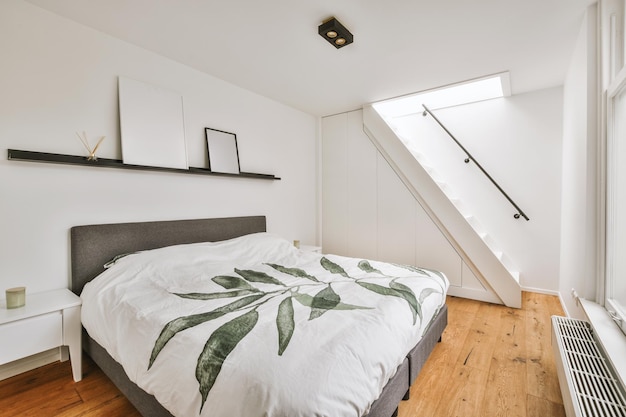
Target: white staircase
{"points": [[475, 246]]}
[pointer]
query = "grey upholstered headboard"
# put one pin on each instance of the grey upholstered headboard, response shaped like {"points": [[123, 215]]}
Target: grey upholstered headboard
{"points": [[94, 245]]}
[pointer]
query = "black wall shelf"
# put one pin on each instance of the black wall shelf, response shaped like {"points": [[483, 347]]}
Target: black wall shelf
{"points": [[54, 158]]}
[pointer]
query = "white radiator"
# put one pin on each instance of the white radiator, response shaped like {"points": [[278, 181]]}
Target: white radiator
{"points": [[588, 382]]}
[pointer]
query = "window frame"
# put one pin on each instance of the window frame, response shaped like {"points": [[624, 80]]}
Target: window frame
{"points": [[616, 90]]}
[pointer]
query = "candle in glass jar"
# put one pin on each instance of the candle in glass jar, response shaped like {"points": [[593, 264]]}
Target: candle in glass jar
{"points": [[16, 297]]}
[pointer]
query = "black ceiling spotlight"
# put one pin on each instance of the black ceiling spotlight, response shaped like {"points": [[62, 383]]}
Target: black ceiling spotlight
{"points": [[335, 33]]}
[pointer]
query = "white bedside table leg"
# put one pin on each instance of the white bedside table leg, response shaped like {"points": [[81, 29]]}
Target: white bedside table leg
{"points": [[72, 335]]}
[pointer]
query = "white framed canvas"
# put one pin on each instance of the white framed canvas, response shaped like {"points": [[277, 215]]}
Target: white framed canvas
{"points": [[152, 125]]}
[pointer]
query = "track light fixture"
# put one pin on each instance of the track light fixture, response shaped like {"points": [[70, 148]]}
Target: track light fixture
{"points": [[335, 33]]}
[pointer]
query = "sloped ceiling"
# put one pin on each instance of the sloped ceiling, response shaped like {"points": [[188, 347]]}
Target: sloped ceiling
{"points": [[272, 47]]}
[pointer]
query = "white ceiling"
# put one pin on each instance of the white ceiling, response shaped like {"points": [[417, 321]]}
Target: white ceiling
{"points": [[272, 47]]}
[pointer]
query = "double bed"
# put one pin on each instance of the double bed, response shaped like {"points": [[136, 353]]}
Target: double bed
{"points": [[217, 317]]}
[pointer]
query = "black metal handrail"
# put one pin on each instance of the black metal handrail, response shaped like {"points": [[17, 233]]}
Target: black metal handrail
{"points": [[471, 158]]}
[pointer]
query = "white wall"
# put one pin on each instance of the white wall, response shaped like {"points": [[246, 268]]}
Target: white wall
{"points": [[517, 140], [58, 77], [578, 210]]}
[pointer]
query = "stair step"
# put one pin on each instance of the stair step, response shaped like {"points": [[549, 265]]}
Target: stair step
{"points": [[473, 221], [418, 155], [445, 188], [431, 171], [508, 265], [458, 203], [492, 245], [486, 237]]}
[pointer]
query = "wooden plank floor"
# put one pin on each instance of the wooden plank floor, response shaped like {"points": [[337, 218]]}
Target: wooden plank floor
{"points": [[493, 361]]}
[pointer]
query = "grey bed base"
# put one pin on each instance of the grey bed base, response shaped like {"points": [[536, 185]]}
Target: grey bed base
{"points": [[94, 245]]}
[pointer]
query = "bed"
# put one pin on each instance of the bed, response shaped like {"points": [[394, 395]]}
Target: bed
{"points": [[93, 246]]}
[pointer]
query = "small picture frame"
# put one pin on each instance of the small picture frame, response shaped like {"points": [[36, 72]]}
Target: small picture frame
{"points": [[222, 151]]}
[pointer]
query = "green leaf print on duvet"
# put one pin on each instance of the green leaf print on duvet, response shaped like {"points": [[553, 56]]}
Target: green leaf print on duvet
{"points": [[225, 338], [365, 266], [216, 295], [285, 324], [182, 323], [294, 272], [230, 283], [221, 342], [325, 300], [332, 267], [382, 290], [256, 276]]}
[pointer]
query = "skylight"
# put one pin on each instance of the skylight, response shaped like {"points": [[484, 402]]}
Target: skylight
{"points": [[486, 88]]}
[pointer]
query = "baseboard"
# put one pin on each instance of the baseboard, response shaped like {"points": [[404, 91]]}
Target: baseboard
{"points": [[541, 291], [29, 363]]}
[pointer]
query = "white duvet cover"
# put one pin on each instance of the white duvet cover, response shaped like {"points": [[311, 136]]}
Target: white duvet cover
{"points": [[253, 327]]}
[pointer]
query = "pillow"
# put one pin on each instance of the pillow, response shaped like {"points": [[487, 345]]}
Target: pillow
{"points": [[247, 249]]}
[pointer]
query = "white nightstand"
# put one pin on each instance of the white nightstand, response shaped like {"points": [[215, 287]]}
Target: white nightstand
{"points": [[49, 319], [309, 248]]}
